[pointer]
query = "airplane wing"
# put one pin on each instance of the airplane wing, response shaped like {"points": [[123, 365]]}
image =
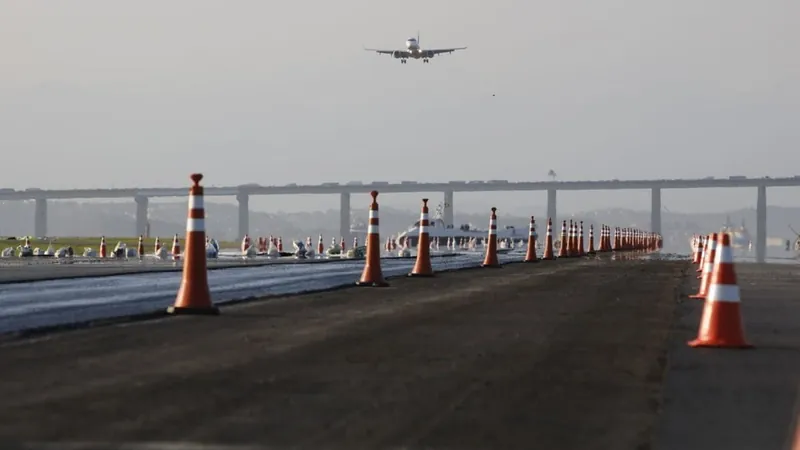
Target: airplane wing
{"points": [[445, 50], [404, 53]]}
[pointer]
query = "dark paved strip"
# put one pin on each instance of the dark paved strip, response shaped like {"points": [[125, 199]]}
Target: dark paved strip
{"points": [[565, 354]]}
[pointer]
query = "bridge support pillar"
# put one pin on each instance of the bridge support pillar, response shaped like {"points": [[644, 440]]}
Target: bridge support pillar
{"points": [[244, 214], [761, 225], [655, 210], [447, 212], [344, 217], [40, 218], [142, 205], [551, 210]]}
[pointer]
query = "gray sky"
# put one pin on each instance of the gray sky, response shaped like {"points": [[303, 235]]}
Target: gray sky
{"points": [[96, 93]]}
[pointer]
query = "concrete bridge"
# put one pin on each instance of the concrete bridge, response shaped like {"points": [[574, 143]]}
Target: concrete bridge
{"points": [[244, 192]]}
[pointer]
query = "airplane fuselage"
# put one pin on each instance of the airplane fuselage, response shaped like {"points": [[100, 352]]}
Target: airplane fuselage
{"points": [[414, 50]]}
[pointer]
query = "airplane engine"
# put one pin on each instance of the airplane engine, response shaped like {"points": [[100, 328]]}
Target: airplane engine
{"points": [[397, 54], [428, 54]]}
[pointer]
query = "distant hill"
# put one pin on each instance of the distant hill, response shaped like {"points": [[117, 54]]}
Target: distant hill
{"points": [[118, 219]]}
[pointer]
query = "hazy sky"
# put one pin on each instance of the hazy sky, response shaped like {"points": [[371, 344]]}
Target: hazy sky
{"points": [[95, 93]]}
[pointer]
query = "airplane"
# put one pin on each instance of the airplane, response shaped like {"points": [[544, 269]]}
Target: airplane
{"points": [[413, 50]]}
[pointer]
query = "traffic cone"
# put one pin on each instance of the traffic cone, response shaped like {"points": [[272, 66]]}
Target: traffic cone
{"points": [[372, 274], [591, 250], [422, 268], [176, 247], [574, 240], [721, 325], [562, 249], [698, 250], [491, 248], [194, 296], [704, 253], [548, 242], [140, 247], [530, 256], [708, 268], [581, 250], [103, 252]]}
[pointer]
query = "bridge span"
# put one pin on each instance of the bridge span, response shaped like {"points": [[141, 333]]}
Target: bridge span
{"points": [[243, 193]]}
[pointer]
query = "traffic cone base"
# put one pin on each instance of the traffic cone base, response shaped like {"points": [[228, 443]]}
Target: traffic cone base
{"points": [[189, 310], [421, 275], [372, 284], [721, 326]]}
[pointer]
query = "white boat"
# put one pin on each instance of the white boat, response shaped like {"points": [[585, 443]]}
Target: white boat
{"points": [[740, 238], [438, 230]]}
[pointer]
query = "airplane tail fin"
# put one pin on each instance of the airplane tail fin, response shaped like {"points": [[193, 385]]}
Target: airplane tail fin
{"points": [[418, 38]]}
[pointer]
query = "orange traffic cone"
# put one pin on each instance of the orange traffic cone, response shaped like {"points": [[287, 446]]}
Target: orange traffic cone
{"points": [[422, 268], [704, 253], [591, 250], [562, 249], [103, 252], [708, 267], [176, 247], [721, 325], [581, 250], [530, 256], [194, 296], [372, 274], [570, 253], [140, 247], [698, 250], [574, 240], [548, 242], [491, 247]]}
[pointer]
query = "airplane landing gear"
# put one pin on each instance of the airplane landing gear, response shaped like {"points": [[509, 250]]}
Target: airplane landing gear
{"points": [[426, 61], [403, 61]]}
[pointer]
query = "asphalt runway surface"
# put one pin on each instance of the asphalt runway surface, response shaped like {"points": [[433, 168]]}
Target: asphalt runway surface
{"points": [[563, 354]]}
